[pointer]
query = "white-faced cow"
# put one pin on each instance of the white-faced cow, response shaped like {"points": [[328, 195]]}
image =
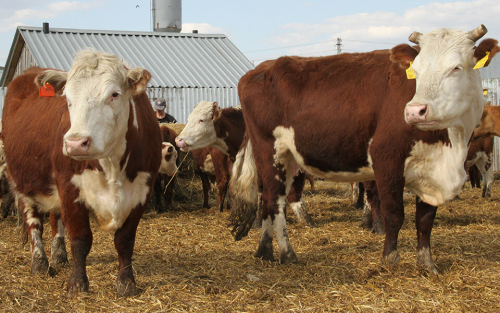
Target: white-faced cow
{"points": [[209, 126], [93, 148], [357, 117], [167, 193]]}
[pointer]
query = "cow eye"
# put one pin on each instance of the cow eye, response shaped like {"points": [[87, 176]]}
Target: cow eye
{"points": [[456, 69], [201, 121], [114, 96]]}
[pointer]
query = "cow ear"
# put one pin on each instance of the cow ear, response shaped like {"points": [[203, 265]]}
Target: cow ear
{"points": [[404, 54], [487, 45], [56, 78], [216, 111], [138, 79]]}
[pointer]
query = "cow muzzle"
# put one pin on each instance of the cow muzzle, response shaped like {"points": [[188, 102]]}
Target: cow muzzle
{"points": [[77, 147], [416, 113], [182, 144]]}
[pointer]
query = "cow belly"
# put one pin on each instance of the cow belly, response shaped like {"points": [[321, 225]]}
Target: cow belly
{"points": [[286, 153], [435, 172], [111, 200], [44, 203]]}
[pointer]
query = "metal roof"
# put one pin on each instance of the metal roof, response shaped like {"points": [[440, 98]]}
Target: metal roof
{"points": [[173, 59]]}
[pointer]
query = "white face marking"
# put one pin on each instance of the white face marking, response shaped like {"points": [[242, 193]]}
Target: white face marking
{"points": [[169, 167], [199, 131], [446, 80], [286, 153], [436, 172], [110, 194]]}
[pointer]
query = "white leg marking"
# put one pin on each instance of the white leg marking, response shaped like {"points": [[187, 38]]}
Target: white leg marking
{"points": [[280, 227]]}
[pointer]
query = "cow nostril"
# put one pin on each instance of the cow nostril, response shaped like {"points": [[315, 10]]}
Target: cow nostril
{"points": [[423, 111]]}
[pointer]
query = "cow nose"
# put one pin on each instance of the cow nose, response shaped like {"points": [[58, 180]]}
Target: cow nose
{"points": [[77, 146], [416, 113]]}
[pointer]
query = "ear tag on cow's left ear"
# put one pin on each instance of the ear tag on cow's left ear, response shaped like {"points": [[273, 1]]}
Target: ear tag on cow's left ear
{"points": [[485, 92], [47, 90], [482, 62], [409, 71]]}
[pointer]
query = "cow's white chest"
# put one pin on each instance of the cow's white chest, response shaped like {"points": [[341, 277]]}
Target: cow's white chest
{"points": [[435, 172], [111, 196]]}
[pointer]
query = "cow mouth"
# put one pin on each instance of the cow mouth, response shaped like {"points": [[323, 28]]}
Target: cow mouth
{"points": [[182, 145]]}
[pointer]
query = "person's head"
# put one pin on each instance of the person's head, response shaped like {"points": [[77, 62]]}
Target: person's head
{"points": [[160, 104]]}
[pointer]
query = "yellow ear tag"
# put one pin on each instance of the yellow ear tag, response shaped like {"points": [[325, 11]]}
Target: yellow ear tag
{"points": [[481, 62], [485, 92], [409, 72]]}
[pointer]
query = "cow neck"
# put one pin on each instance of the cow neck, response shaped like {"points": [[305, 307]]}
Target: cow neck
{"points": [[230, 128]]}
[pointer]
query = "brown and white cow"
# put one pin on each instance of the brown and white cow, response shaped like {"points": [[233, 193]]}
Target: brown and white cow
{"points": [[357, 117], [212, 165], [93, 148], [224, 129]]}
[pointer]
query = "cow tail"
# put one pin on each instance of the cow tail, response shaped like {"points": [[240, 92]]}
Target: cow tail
{"points": [[243, 189]]}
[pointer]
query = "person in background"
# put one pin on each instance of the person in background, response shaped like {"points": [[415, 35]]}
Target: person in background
{"points": [[161, 115]]}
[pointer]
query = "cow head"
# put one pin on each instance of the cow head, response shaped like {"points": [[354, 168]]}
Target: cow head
{"points": [[168, 159], [448, 89], [199, 131], [98, 89], [490, 123]]}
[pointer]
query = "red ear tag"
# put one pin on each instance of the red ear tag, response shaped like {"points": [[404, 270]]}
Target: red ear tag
{"points": [[47, 90]]}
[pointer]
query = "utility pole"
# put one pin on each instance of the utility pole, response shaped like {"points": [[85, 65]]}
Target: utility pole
{"points": [[339, 44]]}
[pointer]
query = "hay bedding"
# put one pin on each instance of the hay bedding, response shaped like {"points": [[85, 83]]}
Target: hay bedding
{"points": [[188, 262]]}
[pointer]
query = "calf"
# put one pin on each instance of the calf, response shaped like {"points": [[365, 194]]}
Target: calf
{"points": [[212, 165], [163, 178], [480, 154], [91, 147], [357, 117]]}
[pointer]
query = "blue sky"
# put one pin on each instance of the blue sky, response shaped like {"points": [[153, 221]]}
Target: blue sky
{"points": [[265, 29]]}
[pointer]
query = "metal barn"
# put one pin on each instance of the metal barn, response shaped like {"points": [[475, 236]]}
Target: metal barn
{"points": [[186, 67]]}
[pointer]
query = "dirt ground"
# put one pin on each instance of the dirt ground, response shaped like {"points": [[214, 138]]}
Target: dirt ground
{"points": [[187, 261]]}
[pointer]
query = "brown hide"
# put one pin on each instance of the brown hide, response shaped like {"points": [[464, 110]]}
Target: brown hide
{"points": [[338, 107], [222, 166], [33, 130], [490, 122]]}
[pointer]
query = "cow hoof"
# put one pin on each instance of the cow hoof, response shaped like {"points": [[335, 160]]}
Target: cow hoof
{"points": [[424, 260], [264, 255], [391, 259], [76, 286], [257, 223], [126, 288], [288, 258], [39, 266]]}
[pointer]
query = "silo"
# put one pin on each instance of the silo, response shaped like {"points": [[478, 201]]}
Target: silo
{"points": [[167, 16]]}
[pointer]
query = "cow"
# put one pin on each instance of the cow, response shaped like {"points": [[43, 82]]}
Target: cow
{"points": [[212, 165], [169, 181], [224, 129], [89, 145], [474, 177], [358, 117]]}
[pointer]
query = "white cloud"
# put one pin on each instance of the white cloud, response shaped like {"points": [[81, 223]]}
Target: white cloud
{"points": [[385, 28], [10, 20]]}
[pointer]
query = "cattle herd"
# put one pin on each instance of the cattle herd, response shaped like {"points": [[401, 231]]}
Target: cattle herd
{"points": [[413, 117]]}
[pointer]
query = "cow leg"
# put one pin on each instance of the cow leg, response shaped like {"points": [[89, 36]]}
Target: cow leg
{"points": [[76, 219], [206, 188], [287, 255], [310, 178], [488, 177], [371, 219], [360, 200], [294, 198], [58, 253], [390, 190], [265, 249], [158, 193], [7, 202], [222, 186], [168, 193], [124, 244], [424, 220], [33, 220]]}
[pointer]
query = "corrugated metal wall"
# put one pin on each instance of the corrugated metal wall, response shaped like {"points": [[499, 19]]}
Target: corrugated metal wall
{"points": [[181, 101], [493, 85], [3, 91]]}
